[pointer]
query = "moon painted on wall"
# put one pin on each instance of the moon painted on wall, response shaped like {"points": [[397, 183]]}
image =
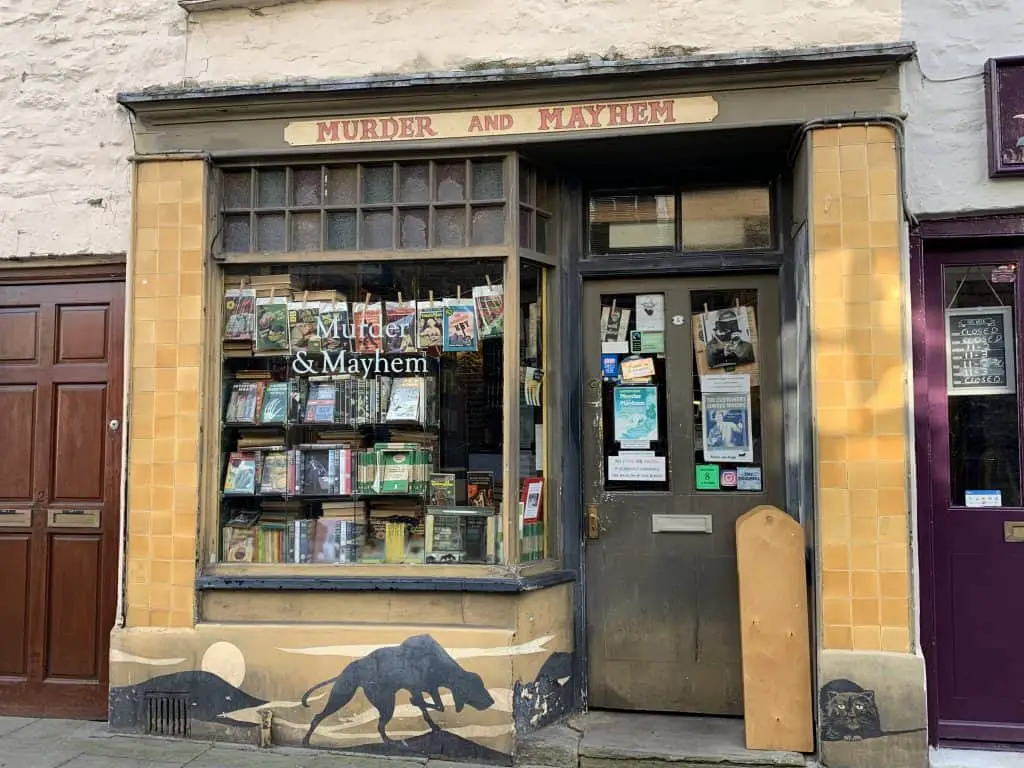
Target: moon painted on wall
{"points": [[226, 661]]}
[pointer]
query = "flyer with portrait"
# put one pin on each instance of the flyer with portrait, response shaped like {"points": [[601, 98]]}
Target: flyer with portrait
{"points": [[725, 410]]}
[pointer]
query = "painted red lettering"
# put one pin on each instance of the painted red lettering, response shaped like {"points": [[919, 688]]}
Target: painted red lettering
{"points": [[576, 119], [423, 127], [638, 113], [350, 128], [618, 114], [505, 121], [663, 111], [369, 128], [595, 111], [408, 127], [491, 122], [327, 131], [475, 125], [549, 116], [388, 128]]}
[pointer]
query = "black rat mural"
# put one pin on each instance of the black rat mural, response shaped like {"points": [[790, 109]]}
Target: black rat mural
{"points": [[850, 713], [548, 698], [420, 666]]}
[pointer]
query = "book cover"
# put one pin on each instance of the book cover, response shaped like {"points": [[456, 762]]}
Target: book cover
{"points": [[429, 324], [480, 489], [490, 309], [239, 545], [367, 321], [275, 403], [303, 326], [406, 400], [532, 499], [336, 333], [442, 489], [400, 327], [396, 471], [460, 331], [239, 314], [240, 477], [395, 540], [274, 478], [271, 324], [321, 403]]}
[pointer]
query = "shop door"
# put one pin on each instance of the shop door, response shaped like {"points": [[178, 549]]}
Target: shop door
{"points": [[60, 399], [976, 510], [682, 410]]}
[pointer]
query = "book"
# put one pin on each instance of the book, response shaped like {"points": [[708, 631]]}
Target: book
{"points": [[335, 541], [405, 403], [239, 314], [321, 403], [366, 319], [490, 310], [240, 477], [274, 478], [396, 471], [429, 324], [238, 545], [303, 325], [400, 327], [271, 325], [243, 403], [460, 331], [480, 489], [335, 329], [442, 489], [275, 403], [532, 499]]}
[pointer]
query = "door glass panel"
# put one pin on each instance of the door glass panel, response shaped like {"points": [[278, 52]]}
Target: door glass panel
{"points": [[980, 342], [633, 392], [726, 391]]}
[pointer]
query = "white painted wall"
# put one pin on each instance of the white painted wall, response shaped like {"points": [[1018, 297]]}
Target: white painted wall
{"points": [[64, 142], [944, 96]]}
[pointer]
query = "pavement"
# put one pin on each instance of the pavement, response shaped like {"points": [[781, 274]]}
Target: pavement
{"points": [[32, 743]]}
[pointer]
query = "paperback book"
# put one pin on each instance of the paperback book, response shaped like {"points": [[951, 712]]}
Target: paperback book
{"points": [[429, 324], [239, 314], [271, 325], [303, 320], [400, 327], [460, 331], [490, 309]]}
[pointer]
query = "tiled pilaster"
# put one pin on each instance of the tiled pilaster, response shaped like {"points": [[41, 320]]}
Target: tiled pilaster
{"points": [[163, 448], [859, 389]]}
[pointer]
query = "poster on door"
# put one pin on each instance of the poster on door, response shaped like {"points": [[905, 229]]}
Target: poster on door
{"points": [[980, 351], [725, 411]]}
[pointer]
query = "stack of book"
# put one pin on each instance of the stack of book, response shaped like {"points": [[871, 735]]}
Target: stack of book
{"points": [[395, 532], [394, 469]]}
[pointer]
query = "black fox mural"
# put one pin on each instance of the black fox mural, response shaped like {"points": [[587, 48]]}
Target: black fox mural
{"points": [[420, 666]]}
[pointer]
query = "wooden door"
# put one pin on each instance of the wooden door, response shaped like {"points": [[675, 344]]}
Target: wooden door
{"points": [[973, 507], [60, 410], [662, 596]]}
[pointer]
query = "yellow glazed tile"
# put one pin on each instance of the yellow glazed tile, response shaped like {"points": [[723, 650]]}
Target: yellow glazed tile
{"points": [[837, 610], [838, 638], [867, 639], [853, 157], [865, 611], [836, 584], [825, 137], [835, 556], [892, 557], [853, 135], [896, 639]]}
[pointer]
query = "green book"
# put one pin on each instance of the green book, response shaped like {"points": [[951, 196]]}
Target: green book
{"points": [[275, 403]]}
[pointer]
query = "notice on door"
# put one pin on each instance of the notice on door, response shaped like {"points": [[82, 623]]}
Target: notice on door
{"points": [[643, 468], [980, 351]]}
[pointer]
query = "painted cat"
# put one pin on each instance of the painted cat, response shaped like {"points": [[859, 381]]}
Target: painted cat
{"points": [[850, 713]]}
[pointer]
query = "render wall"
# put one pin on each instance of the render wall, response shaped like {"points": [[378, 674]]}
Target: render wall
{"points": [[944, 96], [64, 142]]}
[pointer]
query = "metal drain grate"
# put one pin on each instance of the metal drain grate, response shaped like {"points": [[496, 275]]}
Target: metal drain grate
{"points": [[167, 714]]}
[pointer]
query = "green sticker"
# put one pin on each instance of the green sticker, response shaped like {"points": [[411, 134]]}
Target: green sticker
{"points": [[707, 477], [646, 342]]}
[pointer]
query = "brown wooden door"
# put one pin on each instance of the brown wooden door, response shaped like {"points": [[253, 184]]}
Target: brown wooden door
{"points": [[662, 593], [60, 390]]}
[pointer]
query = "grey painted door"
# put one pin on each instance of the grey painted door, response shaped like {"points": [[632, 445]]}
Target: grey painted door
{"points": [[666, 488]]}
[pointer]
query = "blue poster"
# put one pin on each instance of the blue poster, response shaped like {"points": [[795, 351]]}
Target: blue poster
{"points": [[636, 413], [610, 366]]}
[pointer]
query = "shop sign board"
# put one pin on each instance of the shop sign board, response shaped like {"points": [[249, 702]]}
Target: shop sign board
{"points": [[1004, 92], [600, 116], [980, 351]]}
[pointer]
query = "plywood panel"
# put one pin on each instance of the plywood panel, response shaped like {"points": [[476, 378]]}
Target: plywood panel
{"points": [[82, 333], [775, 637], [74, 575], [15, 559], [79, 440], [18, 334], [17, 426]]}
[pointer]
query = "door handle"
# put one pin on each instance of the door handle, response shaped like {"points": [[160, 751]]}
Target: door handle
{"points": [[593, 522]]}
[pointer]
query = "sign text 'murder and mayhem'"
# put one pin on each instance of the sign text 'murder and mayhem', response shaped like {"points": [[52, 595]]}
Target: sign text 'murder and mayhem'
{"points": [[539, 120]]}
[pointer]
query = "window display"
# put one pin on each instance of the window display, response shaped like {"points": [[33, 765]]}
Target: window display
{"points": [[362, 413]]}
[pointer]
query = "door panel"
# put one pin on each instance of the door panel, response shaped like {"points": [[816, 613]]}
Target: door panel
{"points": [[60, 387], [662, 595]]}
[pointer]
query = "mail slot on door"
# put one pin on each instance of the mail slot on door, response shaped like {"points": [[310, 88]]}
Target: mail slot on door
{"points": [[15, 518], [1013, 531], [73, 518]]}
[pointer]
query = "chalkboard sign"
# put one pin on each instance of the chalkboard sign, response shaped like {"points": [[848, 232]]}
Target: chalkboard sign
{"points": [[980, 351]]}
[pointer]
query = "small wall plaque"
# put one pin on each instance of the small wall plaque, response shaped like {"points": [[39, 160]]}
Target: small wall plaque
{"points": [[1004, 106]]}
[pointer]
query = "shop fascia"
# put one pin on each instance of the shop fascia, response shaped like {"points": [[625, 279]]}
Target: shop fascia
{"points": [[306, 363]]}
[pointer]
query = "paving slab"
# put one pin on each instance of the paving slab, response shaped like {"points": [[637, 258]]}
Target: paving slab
{"points": [[555, 746], [349, 760], [41, 756], [974, 758], [42, 730], [96, 761], [225, 756], [10, 724], [638, 738], [175, 751]]}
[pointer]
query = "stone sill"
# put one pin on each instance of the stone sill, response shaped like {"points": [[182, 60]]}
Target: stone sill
{"points": [[197, 6]]}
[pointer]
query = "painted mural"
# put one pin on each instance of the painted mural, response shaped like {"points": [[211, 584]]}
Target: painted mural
{"points": [[455, 693], [849, 712]]}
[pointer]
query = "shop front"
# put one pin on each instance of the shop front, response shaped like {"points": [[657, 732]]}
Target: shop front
{"points": [[443, 412]]}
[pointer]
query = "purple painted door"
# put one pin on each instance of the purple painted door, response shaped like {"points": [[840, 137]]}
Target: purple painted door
{"points": [[969, 419]]}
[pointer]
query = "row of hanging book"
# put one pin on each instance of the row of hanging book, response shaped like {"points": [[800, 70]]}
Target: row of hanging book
{"points": [[255, 399], [272, 315], [354, 532], [331, 469]]}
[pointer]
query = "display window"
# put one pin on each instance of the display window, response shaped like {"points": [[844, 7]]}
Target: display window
{"points": [[364, 412]]}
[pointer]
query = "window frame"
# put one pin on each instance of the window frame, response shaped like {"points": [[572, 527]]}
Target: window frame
{"points": [[486, 577]]}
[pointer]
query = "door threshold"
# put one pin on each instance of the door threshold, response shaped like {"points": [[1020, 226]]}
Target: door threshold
{"points": [[687, 739]]}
